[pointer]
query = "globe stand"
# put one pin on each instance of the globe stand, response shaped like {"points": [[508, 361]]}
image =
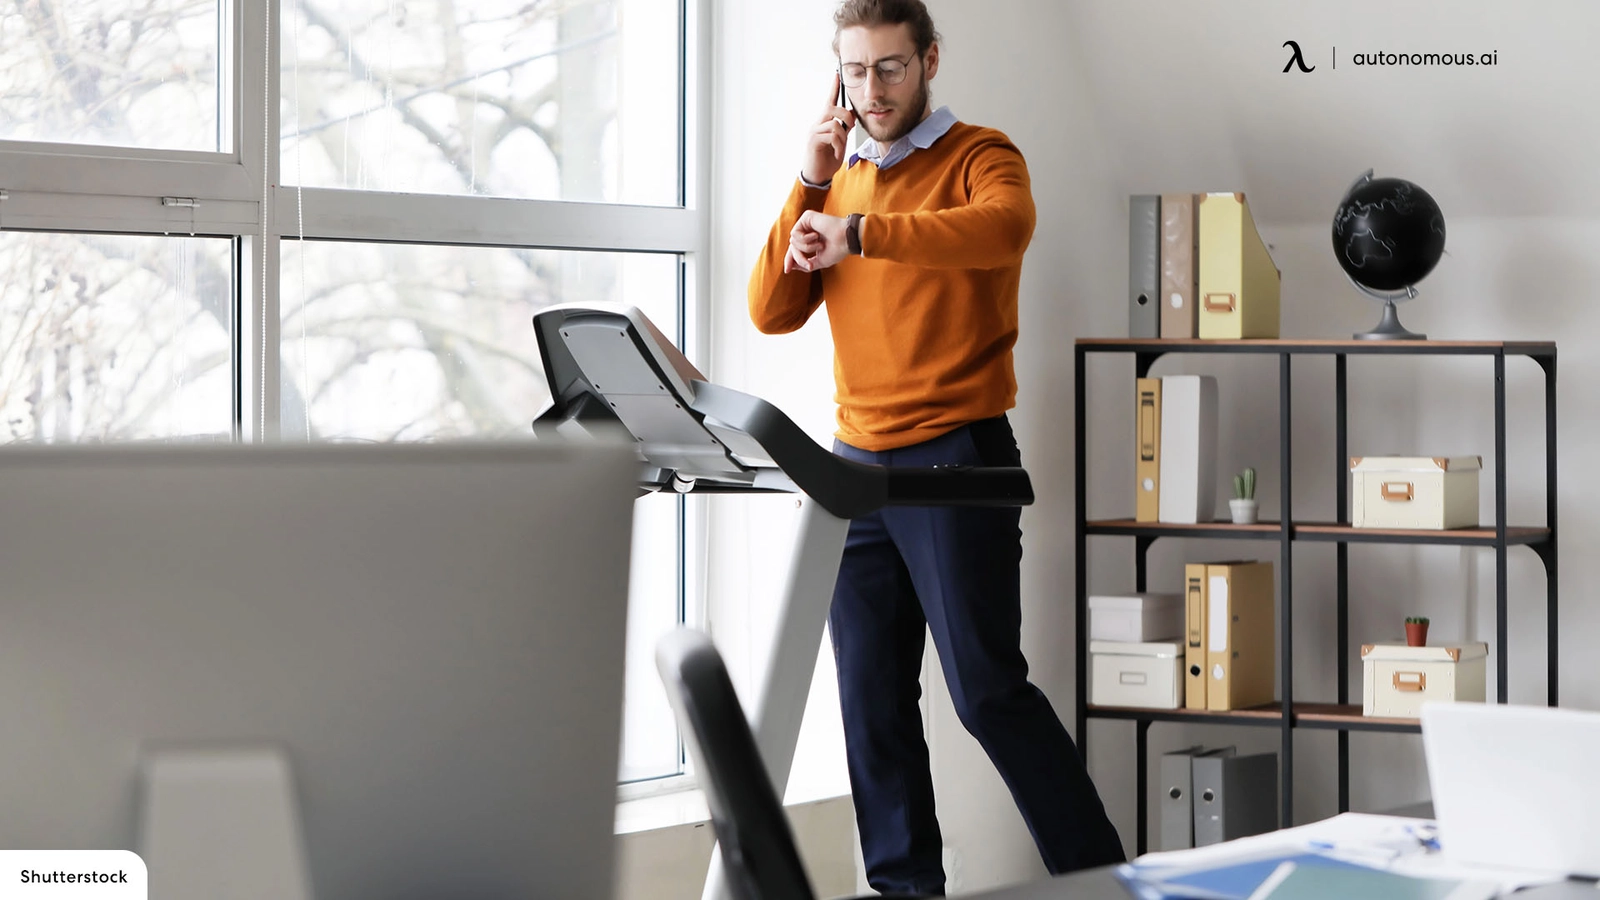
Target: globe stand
{"points": [[1389, 327]]}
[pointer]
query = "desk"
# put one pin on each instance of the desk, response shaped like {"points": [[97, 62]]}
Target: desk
{"points": [[1090, 884], [1100, 884], [1561, 890]]}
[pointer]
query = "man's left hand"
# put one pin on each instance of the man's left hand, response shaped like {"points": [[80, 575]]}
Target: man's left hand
{"points": [[817, 242]]}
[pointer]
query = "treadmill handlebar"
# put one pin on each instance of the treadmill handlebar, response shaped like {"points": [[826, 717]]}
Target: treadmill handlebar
{"points": [[847, 488], [959, 486]]}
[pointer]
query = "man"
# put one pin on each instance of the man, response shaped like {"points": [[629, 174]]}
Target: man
{"points": [[915, 242]]}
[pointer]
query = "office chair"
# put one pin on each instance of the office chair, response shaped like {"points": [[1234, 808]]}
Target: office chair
{"points": [[758, 850]]}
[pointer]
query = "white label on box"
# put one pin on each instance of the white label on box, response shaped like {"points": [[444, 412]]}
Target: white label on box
{"points": [[1219, 614]]}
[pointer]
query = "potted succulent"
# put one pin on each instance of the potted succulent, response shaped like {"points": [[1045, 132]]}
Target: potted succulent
{"points": [[1243, 504], [1416, 631]]}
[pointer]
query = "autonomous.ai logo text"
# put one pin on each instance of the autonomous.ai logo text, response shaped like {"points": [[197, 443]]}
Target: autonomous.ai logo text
{"points": [[1295, 58]]}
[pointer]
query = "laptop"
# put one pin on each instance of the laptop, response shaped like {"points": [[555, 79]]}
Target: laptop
{"points": [[1515, 786]]}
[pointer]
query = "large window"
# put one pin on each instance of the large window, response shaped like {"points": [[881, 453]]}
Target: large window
{"points": [[404, 342], [115, 337], [129, 74], [556, 101], [297, 220]]}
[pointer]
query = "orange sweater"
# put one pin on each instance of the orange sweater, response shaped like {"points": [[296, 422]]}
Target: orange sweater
{"points": [[924, 320]]}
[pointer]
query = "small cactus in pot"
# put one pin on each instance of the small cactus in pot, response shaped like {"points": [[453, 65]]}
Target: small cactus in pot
{"points": [[1416, 631], [1243, 504]]}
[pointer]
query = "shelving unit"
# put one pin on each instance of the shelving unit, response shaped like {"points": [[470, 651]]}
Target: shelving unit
{"points": [[1288, 714]]}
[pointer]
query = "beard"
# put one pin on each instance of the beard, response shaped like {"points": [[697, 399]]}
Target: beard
{"points": [[899, 124]]}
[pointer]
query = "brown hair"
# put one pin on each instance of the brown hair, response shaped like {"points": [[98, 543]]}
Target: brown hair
{"points": [[870, 13]]}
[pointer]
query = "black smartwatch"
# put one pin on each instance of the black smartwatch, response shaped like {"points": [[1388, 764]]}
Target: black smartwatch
{"points": [[852, 233]]}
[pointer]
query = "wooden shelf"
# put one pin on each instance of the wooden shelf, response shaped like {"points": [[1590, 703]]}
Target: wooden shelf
{"points": [[1261, 531], [1341, 718], [1291, 345], [1327, 532], [1330, 716], [1270, 715], [1348, 717]]}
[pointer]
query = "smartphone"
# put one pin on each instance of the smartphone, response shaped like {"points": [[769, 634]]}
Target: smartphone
{"points": [[843, 101]]}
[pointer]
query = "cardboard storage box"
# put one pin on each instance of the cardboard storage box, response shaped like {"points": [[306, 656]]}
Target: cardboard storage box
{"points": [[1432, 492], [1399, 679], [1149, 675], [1136, 618]]}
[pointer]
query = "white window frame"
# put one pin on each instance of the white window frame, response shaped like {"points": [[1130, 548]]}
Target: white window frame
{"points": [[81, 188]]}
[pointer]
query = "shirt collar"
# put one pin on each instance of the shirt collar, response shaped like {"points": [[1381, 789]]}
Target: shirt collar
{"points": [[920, 138]]}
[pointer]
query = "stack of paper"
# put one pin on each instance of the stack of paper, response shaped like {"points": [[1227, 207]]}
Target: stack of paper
{"points": [[1297, 881], [1351, 841], [1230, 881]]}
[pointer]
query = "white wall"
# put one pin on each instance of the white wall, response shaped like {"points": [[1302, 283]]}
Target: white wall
{"points": [[1111, 97], [1194, 94], [1193, 97], [772, 71]]}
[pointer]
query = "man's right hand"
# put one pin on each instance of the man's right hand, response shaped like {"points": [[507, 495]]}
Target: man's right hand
{"points": [[825, 146]]}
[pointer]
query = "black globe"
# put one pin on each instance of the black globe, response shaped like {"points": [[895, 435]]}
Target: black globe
{"points": [[1388, 234]]}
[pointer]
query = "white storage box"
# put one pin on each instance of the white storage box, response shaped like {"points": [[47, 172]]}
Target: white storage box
{"points": [[1136, 674], [1135, 618], [1399, 679], [1432, 492]]}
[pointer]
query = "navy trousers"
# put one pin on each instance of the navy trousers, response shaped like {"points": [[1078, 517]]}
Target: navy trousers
{"points": [[955, 572]]}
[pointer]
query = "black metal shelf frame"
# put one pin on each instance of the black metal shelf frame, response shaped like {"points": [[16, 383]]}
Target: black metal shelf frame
{"points": [[1145, 353]]}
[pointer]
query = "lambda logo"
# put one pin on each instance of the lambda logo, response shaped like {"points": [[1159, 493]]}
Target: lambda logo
{"points": [[1295, 59]]}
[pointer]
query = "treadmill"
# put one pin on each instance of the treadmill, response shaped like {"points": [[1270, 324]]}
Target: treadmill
{"points": [[609, 369]]}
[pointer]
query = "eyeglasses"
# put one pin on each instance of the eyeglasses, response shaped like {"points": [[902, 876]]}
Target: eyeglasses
{"points": [[890, 71]]}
